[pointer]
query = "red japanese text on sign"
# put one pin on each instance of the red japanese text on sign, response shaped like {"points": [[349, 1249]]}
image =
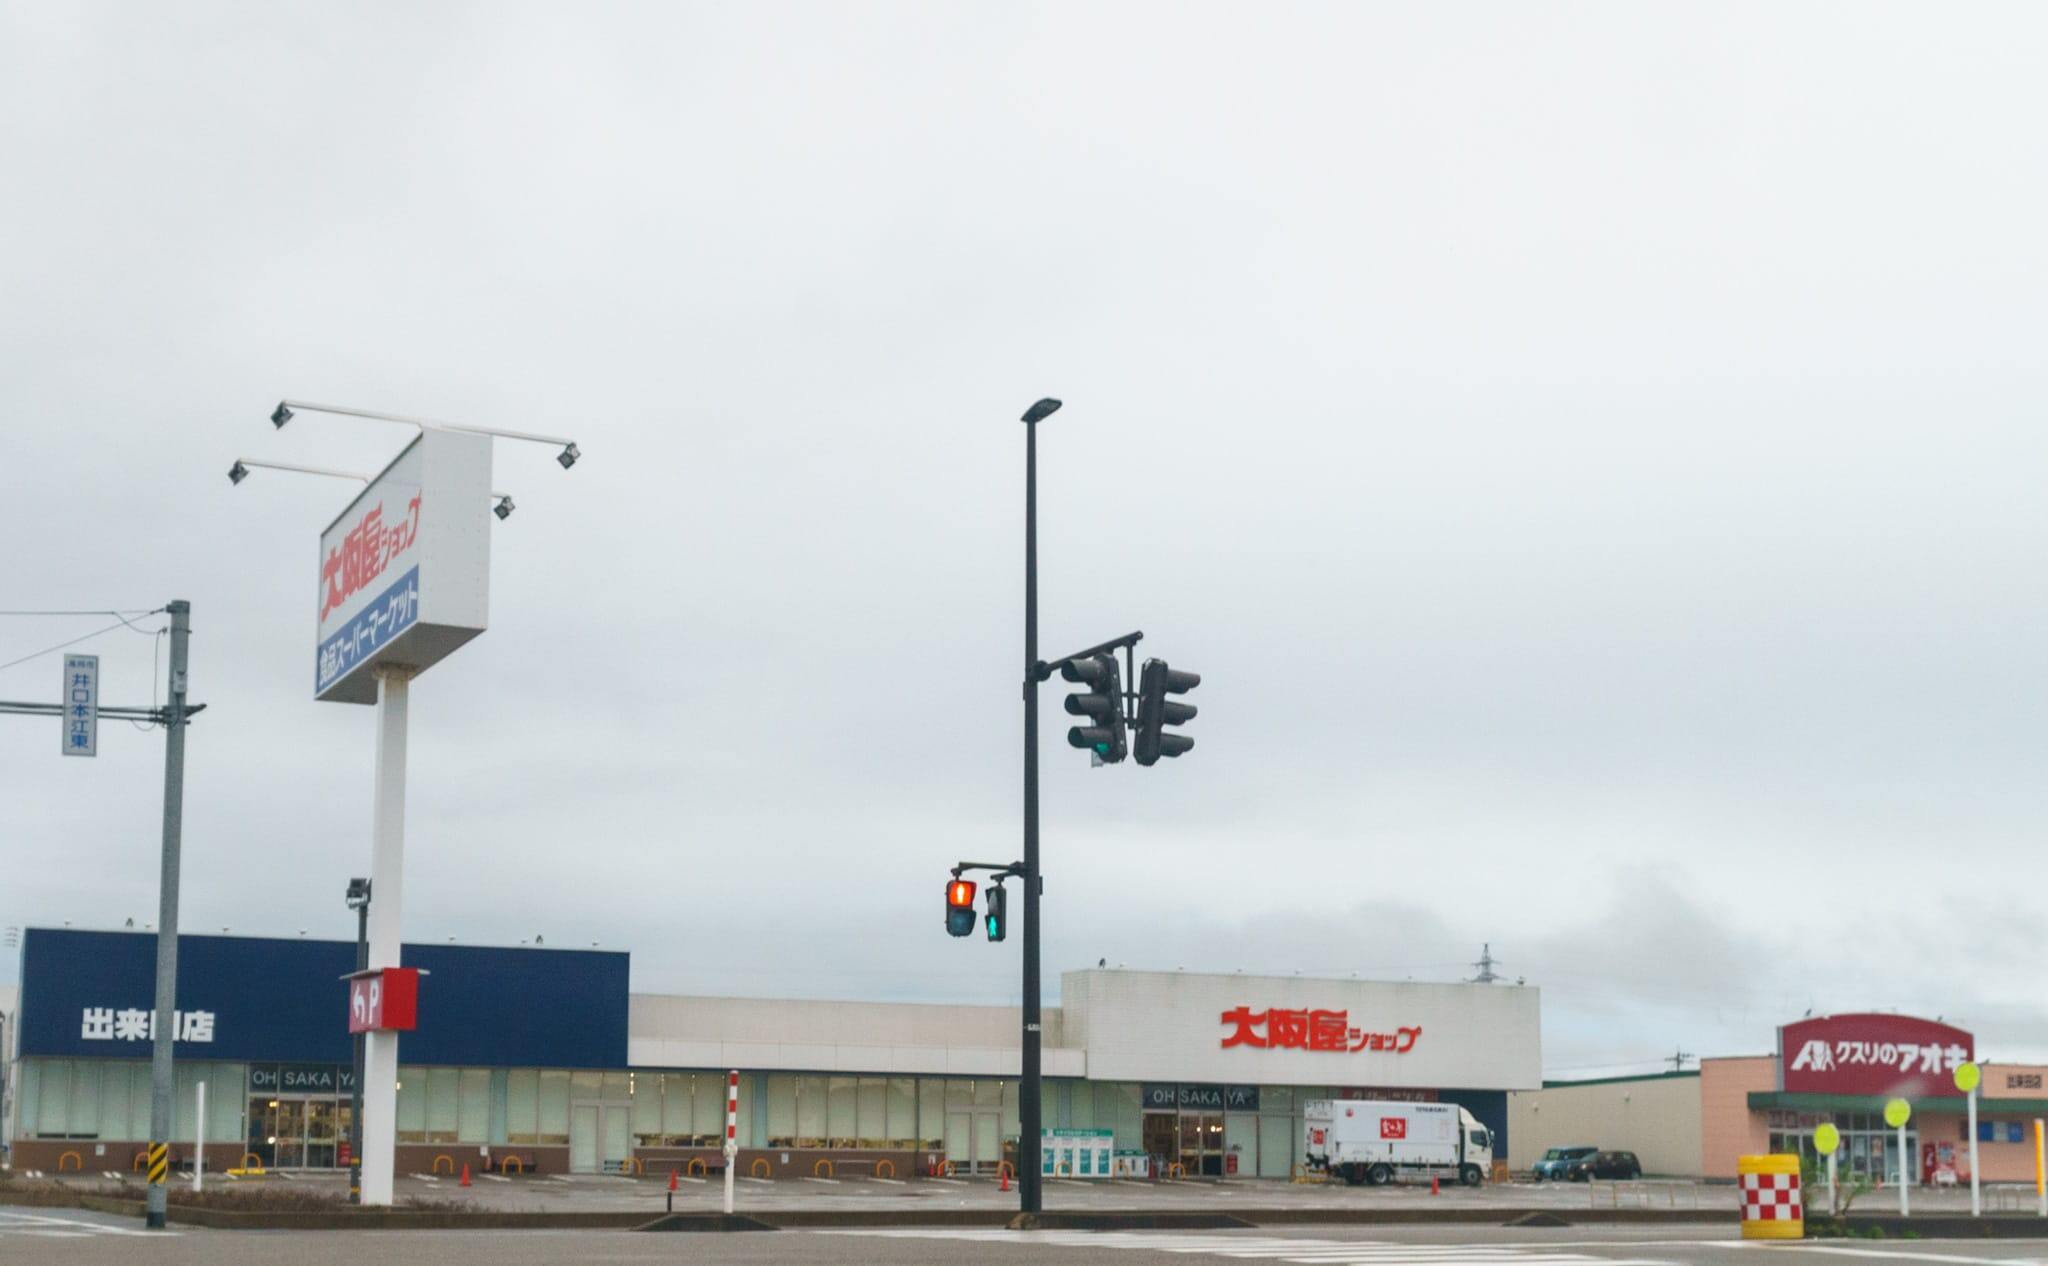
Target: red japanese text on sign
{"points": [[1312, 1030]]}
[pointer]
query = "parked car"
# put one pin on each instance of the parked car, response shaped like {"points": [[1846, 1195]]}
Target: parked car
{"points": [[1554, 1162], [1604, 1165]]}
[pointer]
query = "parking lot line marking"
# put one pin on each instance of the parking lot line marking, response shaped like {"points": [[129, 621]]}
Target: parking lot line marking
{"points": [[834, 1182]]}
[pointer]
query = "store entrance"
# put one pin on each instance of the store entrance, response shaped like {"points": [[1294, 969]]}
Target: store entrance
{"points": [[1194, 1140], [295, 1131], [1201, 1143]]}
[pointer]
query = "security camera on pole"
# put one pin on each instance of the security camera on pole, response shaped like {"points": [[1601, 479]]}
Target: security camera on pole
{"points": [[403, 581]]}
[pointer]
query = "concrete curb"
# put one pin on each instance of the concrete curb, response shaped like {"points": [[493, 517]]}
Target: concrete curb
{"points": [[1995, 1226]]}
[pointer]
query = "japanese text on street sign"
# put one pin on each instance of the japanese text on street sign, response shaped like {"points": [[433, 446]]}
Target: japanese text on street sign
{"points": [[81, 705], [1312, 1030], [133, 1024]]}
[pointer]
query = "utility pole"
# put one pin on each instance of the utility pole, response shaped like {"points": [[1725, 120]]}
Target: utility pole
{"points": [[1678, 1059], [161, 1083], [1487, 962]]}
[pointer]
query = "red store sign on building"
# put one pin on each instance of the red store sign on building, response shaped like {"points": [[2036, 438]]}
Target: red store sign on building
{"points": [[1870, 1054], [1312, 1030]]}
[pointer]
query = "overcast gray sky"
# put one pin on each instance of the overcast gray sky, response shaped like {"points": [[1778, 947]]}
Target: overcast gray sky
{"points": [[1591, 452]]}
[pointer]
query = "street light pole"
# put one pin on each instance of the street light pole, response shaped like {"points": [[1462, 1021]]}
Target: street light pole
{"points": [[1030, 1195], [359, 899]]}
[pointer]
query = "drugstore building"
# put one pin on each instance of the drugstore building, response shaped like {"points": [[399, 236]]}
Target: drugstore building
{"points": [[544, 1060], [1838, 1069]]}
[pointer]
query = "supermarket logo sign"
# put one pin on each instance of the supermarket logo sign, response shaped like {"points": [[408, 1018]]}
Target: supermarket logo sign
{"points": [[133, 1024], [1312, 1030]]}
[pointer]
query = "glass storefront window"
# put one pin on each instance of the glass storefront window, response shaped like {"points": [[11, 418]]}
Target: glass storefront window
{"points": [[781, 1110], [554, 1109]]}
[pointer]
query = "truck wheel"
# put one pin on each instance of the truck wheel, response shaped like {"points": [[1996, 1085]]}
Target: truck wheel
{"points": [[1379, 1175], [1352, 1175], [1469, 1175]]}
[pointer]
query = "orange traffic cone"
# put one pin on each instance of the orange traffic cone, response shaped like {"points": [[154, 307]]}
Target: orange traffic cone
{"points": [[671, 1180], [1432, 1184], [465, 1173], [1005, 1173]]}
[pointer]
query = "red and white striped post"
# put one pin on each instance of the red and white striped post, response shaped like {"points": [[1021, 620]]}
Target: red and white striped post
{"points": [[732, 1132]]}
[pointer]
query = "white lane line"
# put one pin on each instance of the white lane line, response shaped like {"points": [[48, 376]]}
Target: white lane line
{"points": [[1844, 1251], [830, 1182], [494, 1177], [893, 1182], [43, 1223]]}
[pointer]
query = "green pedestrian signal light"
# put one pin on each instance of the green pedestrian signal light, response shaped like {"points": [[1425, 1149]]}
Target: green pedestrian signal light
{"points": [[997, 918], [960, 907]]}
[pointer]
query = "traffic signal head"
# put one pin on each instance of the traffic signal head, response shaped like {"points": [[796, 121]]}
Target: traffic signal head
{"points": [[997, 920], [1102, 703], [1156, 711], [959, 907]]}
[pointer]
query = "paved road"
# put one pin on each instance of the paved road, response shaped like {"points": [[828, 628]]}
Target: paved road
{"points": [[70, 1238], [649, 1194]]}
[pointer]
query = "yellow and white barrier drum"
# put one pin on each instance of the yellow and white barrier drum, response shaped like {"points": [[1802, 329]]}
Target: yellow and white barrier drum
{"points": [[1771, 1205]]}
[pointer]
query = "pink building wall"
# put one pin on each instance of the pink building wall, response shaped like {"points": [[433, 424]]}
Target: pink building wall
{"points": [[1728, 1128]]}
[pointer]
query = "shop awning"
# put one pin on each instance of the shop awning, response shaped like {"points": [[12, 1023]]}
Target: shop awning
{"points": [[1944, 1105]]}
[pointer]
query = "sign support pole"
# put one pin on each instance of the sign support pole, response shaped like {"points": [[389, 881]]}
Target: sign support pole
{"points": [[732, 1132], [1905, 1162], [1834, 1205], [161, 1084], [379, 1085], [199, 1142], [1976, 1195]]}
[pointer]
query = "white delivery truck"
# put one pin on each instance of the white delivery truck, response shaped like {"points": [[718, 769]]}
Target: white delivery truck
{"points": [[1371, 1141]]}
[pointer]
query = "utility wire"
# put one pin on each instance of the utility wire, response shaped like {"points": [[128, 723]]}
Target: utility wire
{"points": [[103, 611], [75, 641]]}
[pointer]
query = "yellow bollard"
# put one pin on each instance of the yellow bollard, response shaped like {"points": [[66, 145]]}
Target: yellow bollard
{"points": [[1771, 1205]]}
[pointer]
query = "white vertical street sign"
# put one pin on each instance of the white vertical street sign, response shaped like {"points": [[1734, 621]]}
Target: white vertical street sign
{"points": [[81, 697]]}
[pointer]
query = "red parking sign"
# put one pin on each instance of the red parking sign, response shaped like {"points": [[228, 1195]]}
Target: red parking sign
{"points": [[384, 1000]]}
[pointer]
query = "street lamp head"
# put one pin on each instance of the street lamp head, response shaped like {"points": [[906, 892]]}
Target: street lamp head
{"points": [[568, 456], [280, 415], [237, 473], [504, 507], [358, 893], [1042, 410]]}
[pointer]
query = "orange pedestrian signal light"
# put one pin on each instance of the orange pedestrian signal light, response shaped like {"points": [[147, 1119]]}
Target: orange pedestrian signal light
{"points": [[960, 907]]}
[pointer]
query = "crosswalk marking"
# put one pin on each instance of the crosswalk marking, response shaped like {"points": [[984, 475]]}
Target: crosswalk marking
{"points": [[43, 1226], [1304, 1252]]}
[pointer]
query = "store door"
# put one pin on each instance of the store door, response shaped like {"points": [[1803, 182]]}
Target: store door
{"points": [[291, 1134], [618, 1138], [988, 1141], [263, 1131], [1201, 1144], [583, 1139], [960, 1140], [1160, 1137]]}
